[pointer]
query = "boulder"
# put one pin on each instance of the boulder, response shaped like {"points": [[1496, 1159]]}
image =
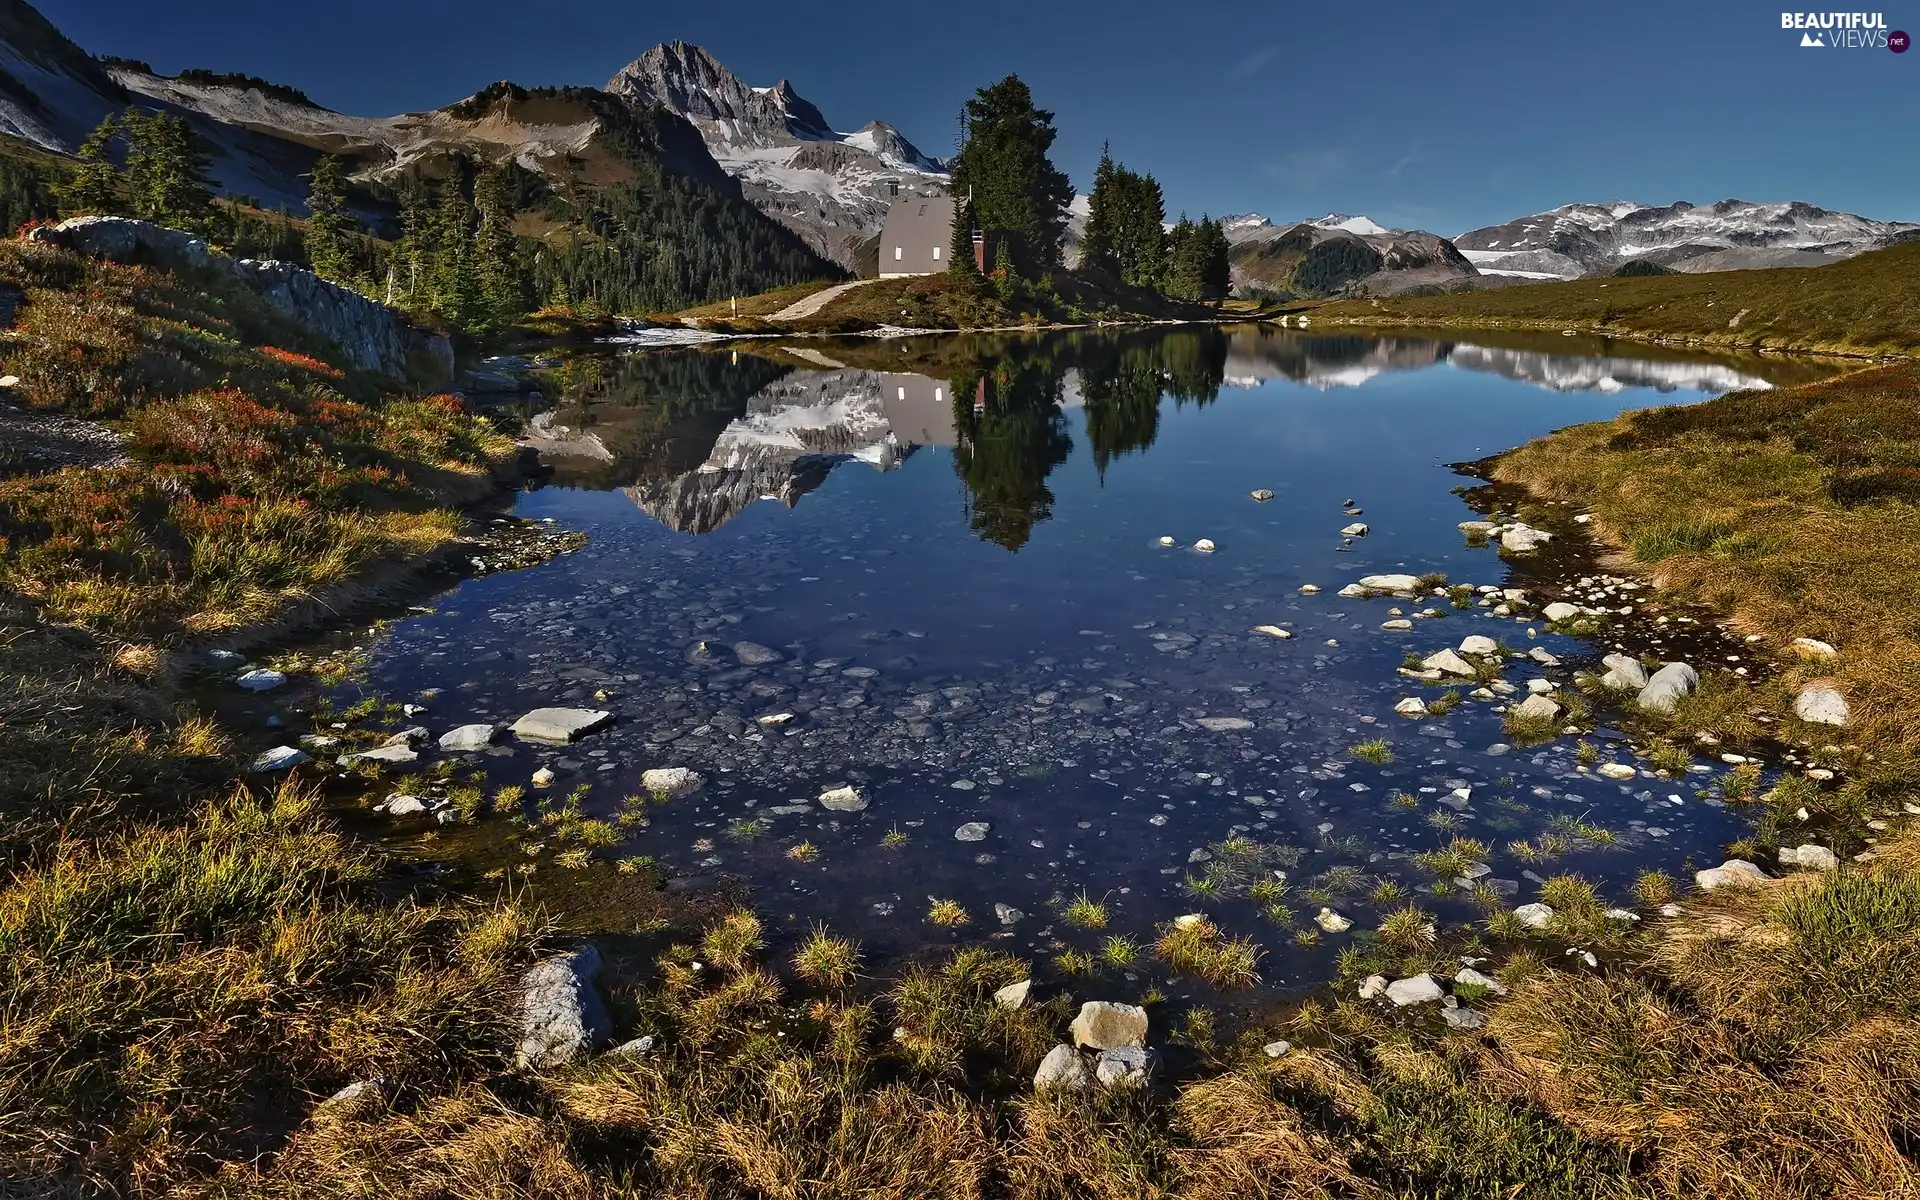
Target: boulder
{"points": [[1620, 772], [1415, 989], [559, 724], [1534, 916], [280, 758], [1451, 663], [1390, 583], [1667, 687], [1103, 1025], [1822, 704], [1537, 708], [1624, 673], [1810, 856], [1357, 529], [1477, 528], [1353, 591], [1735, 872], [561, 1018], [1559, 611], [1014, 995], [1519, 539], [972, 831], [1479, 644], [1262, 494], [1813, 649], [1204, 545], [1063, 1067], [1398, 625], [1127, 1066], [469, 737], [1412, 706], [401, 805], [261, 680], [846, 798], [400, 755], [671, 782], [1331, 921]]}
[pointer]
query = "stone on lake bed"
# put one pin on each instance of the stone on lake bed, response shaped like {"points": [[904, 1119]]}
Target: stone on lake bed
{"points": [[1224, 724], [1390, 583], [1262, 494], [1415, 989], [401, 805], [1667, 687], [559, 724], [1007, 914], [1559, 611], [753, 654], [1821, 704], [1617, 771], [1449, 662], [772, 719], [1331, 921], [1063, 1067], [261, 680], [972, 831], [672, 782], [470, 737], [848, 799], [400, 755], [1103, 1025], [1735, 872], [1273, 631], [280, 758], [1412, 706], [1357, 529], [1398, 625], [1479, 643], [1477, 528]]}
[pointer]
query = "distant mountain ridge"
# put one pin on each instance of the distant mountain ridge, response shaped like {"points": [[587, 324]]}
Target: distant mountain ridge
{"points": [[1588, 239], [1340, 254]]}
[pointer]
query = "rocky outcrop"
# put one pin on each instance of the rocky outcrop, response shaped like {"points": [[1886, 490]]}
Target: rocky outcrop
{"points": [[370, 335]]}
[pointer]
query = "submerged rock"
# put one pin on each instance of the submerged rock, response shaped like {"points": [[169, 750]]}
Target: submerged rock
{"points": [[846, 798], [1224, 724], [261, 680], [671, 782], [753, 654], [972, 831]]}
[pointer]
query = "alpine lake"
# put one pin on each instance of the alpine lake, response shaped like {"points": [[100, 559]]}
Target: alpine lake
{"points": [[932, 620]]}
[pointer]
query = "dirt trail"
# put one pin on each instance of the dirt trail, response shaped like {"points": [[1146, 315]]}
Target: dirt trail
{"points": [[812, 304]]}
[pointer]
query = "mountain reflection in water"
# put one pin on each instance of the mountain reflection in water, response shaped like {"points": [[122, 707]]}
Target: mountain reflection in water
{"points": [[697, 435]]}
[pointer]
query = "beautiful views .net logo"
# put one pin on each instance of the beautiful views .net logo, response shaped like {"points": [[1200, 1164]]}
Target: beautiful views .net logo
{"points": [[1845, 31]]}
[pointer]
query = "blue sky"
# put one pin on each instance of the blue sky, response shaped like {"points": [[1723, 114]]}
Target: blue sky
{"points": [[1442, 117]]}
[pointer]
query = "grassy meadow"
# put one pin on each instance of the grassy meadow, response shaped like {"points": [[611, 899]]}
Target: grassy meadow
{"points": [[1867, 305]]}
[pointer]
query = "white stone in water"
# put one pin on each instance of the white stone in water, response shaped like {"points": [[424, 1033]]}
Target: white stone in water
{"points": [[1534, 916], [1619, 771], [1560, 610], [1204, 545], [1479, 644], [1820, 704], [1449, 662], [398, 755], [1735, 872], [1357, 529], [400, 805], [672, 782], [261, 680], [1332, 921], [1373, 985], [1519, 539], [1624, 673], [1309, 589], [1007, 914], [1261, 494], [1397, 625], [1415, 989], [753, 654], [1477, 528], [1189, 921], [469, 737], [1810, 856], [1390, 583], [972, 831], [559, 724], [1412, 706], [772, 719], [544, 777], [1167, 541], [1539, 687], [1352, 591], [1273, 631]]}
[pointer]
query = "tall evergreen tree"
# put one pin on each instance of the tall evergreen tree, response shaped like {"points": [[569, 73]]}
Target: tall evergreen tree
{"points": [[1099, 249], [167, 178], [96, 185], [1017, 192], [960, 250], [1183, 265], [1211, 251], [1125, 235], [502, 283], [327, 246]]}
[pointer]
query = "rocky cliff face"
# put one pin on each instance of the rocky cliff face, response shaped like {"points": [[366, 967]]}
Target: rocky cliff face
{"points": [[371, 336]]}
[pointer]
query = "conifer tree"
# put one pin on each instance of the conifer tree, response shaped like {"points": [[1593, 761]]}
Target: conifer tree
{"points": [[1099, 248], [1017, 192], [960, 252], [1183, 264], [327, 246], [166, 170], [496, 258], [96, 185]]}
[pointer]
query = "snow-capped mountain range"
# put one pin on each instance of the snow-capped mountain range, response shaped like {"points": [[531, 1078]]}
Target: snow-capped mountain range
{"points": [[1584, 239], [1241, 227], [831, 188]]}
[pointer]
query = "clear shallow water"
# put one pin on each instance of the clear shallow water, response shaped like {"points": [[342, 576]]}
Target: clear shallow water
{"points": [[975, 623]]}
